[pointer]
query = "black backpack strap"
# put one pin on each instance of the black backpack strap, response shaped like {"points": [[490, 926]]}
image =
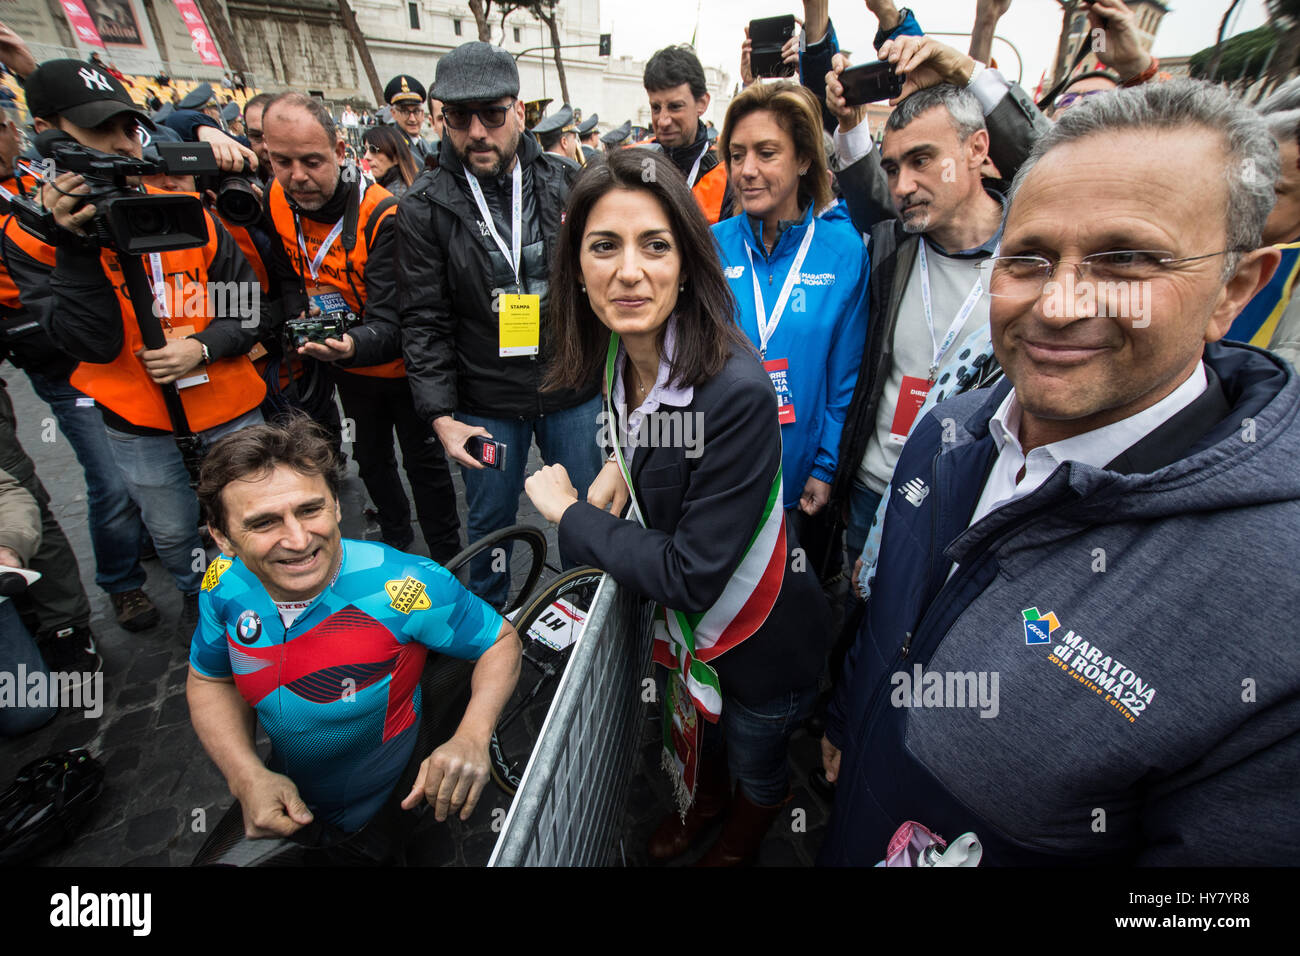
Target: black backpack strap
{"points": [[373, 222]]}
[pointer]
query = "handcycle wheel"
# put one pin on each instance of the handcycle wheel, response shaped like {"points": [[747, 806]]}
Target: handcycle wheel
{"points": [[547, 620], [523, 573]]}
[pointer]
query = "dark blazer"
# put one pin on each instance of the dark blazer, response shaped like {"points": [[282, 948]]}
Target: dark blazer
{"points": [[702, 512]]}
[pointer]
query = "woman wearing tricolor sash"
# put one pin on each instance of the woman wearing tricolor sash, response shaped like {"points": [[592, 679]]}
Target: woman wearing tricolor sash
{"points": [[694, 459]]}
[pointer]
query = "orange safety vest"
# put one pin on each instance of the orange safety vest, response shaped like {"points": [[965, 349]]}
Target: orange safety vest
{"points": [[248, 247], [125, 388], [709, 191], [29, 244], [342, 269]]}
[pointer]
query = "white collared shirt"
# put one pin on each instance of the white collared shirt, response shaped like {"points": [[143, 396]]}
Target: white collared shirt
{"points": [[1096, 448], [661, 394]]}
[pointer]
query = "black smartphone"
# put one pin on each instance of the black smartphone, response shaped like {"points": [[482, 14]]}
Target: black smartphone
{"points": [[768, 36], [871, 83], [492, 454]]}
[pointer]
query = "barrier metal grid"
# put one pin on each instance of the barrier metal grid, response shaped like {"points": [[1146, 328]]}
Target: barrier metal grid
{"points": [[569, 806]]}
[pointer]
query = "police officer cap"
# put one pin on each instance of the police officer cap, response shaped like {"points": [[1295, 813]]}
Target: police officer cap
{"points": [[587, 125], [230, 112], [616, 136], [404, 89], [198, 97], [557, 121]]}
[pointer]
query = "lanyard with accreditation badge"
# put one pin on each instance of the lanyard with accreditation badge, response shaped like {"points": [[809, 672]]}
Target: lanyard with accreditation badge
{"points": [[171, 332], [778, 369], [913, 391], [519, 316]]}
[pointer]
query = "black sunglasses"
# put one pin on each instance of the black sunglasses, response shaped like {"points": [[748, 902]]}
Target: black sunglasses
{"points": [[493, 117]]}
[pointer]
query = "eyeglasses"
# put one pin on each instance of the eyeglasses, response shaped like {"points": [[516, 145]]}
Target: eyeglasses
{"points": [[1023, 277], [413, 110], [493, 117], [1069, 99]]}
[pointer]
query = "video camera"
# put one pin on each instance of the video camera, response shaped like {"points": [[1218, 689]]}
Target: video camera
{"points": [[126, 219]]}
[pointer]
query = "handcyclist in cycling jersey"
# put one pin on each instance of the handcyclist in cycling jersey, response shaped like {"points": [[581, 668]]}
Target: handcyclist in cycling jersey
{"points": [[325, 640]]}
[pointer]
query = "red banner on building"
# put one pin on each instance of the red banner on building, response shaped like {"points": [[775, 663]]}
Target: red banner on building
{"points": [[202, 43], [81, 24]]}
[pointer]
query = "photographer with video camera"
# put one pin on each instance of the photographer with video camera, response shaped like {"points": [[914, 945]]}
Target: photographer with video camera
{"points": [[161, 401], [336, 257]]}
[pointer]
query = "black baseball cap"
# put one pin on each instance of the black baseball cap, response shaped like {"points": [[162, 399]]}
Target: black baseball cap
{"points": [[80, 91]]}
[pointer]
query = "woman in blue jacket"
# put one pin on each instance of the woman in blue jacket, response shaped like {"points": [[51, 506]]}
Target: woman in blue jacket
{"points": [[798, 270]]}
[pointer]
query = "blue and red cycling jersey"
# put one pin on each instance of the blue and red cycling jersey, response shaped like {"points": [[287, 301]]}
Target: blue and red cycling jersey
{"points": [[338, 692]]}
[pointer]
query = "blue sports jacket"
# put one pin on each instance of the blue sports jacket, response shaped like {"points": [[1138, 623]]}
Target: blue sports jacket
{"points": [[821, 333], [1112, 674]]}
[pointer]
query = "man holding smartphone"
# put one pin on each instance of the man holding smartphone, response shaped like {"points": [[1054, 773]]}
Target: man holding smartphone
{"points": [[473, 287]]}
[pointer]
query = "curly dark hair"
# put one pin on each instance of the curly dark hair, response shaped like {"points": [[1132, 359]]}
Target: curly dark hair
{"points": [[295, 440]]}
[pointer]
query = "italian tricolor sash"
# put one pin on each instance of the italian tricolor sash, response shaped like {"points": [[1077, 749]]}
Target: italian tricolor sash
{"points": [[685, 643]]}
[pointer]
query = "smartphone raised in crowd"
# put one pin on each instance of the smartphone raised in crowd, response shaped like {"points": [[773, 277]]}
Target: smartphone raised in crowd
{"points": [[871, 83], [492, 454], [767, 37]]}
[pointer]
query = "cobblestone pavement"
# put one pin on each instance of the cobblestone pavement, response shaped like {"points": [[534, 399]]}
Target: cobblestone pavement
{"points": [[162, 793]]}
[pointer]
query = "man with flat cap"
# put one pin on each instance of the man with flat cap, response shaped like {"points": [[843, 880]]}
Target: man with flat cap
{"points": [[589, 140], [404, 95], [617, 137], [472, 283], [558, 134]]}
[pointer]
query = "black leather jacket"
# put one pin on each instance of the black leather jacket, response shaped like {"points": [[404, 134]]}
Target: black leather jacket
{"points": [[449, 272]]}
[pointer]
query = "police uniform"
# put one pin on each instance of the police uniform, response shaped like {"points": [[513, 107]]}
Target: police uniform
{"points": [[404, 89]]}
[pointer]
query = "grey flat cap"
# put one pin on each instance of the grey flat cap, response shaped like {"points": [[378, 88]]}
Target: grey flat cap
{"points": [[475, 71]]}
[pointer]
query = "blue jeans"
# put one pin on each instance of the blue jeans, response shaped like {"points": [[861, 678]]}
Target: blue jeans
{"points": [[757, 739], [115, 526], [17, 647], [567, 437], [862, 511], [156, 477]]}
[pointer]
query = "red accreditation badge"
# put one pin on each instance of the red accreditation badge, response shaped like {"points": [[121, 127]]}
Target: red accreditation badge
{"points": [[911, 396], [779, 371]]}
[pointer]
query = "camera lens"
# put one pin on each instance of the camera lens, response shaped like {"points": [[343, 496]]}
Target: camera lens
{"points": [[237, 203], [147, 221]]}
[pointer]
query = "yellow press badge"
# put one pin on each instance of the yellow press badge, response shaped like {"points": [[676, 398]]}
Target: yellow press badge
{"points": [[520, 318]]}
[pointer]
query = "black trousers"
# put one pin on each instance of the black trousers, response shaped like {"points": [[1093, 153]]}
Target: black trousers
{"points": [[377, 407]]}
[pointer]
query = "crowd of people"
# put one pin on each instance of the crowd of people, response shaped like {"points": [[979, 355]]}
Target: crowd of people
{"points": [[1020, 371]]}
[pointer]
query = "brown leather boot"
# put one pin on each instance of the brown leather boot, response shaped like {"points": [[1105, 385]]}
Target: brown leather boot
{"points": [[674, 836], [742, 833]]}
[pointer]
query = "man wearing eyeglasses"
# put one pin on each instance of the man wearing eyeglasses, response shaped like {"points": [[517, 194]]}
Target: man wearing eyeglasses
{"points": [[1084, 537], [405, 97], [473, 286]]}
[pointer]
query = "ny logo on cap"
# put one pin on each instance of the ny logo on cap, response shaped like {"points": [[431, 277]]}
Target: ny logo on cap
{"points": [[94, 79]]}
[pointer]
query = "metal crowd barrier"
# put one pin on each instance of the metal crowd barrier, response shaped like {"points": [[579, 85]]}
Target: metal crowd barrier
{"points": [[568, 810]]}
